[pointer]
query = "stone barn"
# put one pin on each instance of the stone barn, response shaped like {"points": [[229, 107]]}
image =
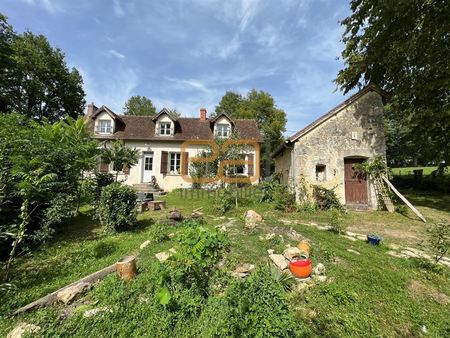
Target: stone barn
{"points": [[324, 152]]}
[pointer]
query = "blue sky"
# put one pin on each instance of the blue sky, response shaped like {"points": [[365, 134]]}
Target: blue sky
{"points": [[185, 54]]}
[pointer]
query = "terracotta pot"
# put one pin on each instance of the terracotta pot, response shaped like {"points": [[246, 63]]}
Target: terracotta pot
{"points": [[300, 267], [304, 247]]}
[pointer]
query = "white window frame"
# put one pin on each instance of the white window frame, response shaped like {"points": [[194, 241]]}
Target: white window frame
{"points": [[165, 128], [222, 130], [176, 156], [102, 129], [244, 166]]}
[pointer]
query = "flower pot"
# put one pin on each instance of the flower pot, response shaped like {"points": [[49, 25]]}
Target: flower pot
{"points": [[300, 267]]}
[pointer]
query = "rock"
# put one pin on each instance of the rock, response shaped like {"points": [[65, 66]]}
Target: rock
{"points": [[270, 251], [175, 215], [291, 252], [319, 270], [164, 255], [279, 261], [350, 238], [270, 236], [244, 268], [252, 216], [353, 251], [361, 237], [144, 245], [171, 235], [23, 329], [300, 287], [238, 274], [321, 278], [294, 235], [68, 294], [93, 312]]}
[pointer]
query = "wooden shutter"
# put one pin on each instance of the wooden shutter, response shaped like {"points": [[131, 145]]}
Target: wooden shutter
{"points": [[251, 166], [184, 163], [126, 170], [104, 167], [164, 156]]}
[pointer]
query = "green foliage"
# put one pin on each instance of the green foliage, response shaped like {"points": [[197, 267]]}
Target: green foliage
{"points": [[120, 156], [375, 168], [285, 280], [225, 200], [416, 32], [326, 198], [35, 80], [258, 105], [284, 199], [268, 188], [440, 239], [117, 207], [256, 307], [139, 105], [336, 220], [42, 164]]}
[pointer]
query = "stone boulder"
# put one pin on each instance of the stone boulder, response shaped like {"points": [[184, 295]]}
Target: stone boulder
{"points": [[70, 293], [251, 218], [279, 261], [144, 245], [175, 215], [164, 255], [292, 252], [96, 311], [23, 329], [319, 270]]}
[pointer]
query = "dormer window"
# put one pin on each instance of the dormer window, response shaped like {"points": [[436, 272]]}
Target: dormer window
{"points": [[104, 127], [164, 128], [222, 130]]}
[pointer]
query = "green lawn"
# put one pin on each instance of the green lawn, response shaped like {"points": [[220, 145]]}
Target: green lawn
{"points": [[371, 294], [410, 170]]}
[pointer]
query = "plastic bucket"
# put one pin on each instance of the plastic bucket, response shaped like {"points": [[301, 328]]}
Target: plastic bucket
{"points": [[300, 267]]}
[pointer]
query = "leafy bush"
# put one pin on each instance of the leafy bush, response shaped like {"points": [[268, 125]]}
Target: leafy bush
{"points": [[256, 307], [326, 198], [268, 188], [284, 199], [440, 239], [336, 221], [117, 207]]}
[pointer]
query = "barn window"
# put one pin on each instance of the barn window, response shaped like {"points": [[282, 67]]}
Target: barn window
{"points": [[321, 172]]}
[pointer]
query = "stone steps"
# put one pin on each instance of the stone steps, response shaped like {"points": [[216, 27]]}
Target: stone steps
{"points": [[147, 188]]}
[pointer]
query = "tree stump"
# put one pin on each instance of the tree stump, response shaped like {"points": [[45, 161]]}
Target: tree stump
{"points": [[126, 268]]}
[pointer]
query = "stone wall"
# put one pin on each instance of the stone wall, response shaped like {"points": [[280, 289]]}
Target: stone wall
{"points": [[355, 131]]}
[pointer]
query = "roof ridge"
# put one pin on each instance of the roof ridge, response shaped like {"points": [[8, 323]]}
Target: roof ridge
{"points": [[336, 109]]}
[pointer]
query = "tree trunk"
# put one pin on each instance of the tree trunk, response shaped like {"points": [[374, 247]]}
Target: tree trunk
{"points": [[126, 268]]}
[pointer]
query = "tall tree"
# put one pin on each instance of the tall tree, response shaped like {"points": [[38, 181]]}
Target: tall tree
{"points": [[34, 78], [139, 105], [120, 156], [258, 105], [404, 47]]}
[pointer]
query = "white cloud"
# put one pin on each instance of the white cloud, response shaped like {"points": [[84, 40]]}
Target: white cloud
{"points": [[116, 54], [190, 83], [118, 8]]}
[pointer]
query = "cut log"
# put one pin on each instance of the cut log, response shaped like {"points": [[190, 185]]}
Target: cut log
{"points": [[126, 268], [403, 198], [52, 297]]}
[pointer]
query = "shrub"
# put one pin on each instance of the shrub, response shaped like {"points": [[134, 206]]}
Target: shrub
{"points": [[336, 221], [256, 307], [268, 188], [326, 198], [117, 207], [440, 239], [284, 199]]}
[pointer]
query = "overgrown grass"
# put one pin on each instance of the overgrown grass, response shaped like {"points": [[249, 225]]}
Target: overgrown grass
{"points": [[370, 294], [410, 170]]}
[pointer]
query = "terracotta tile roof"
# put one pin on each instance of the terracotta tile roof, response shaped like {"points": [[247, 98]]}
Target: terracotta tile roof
{"points": [[187, 128]]}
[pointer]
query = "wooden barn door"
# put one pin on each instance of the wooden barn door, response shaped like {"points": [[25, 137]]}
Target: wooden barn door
{"points": [[355, 185]]}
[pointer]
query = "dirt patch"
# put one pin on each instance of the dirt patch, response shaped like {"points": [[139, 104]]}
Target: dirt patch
{"points": [[417, 289]]}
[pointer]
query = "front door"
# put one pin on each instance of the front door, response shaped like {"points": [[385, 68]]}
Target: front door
{"points": [[355, 185], [148, 168]]}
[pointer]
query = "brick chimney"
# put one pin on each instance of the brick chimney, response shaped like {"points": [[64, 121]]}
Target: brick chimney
{"points": [[91, 108], [202, 114]]}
